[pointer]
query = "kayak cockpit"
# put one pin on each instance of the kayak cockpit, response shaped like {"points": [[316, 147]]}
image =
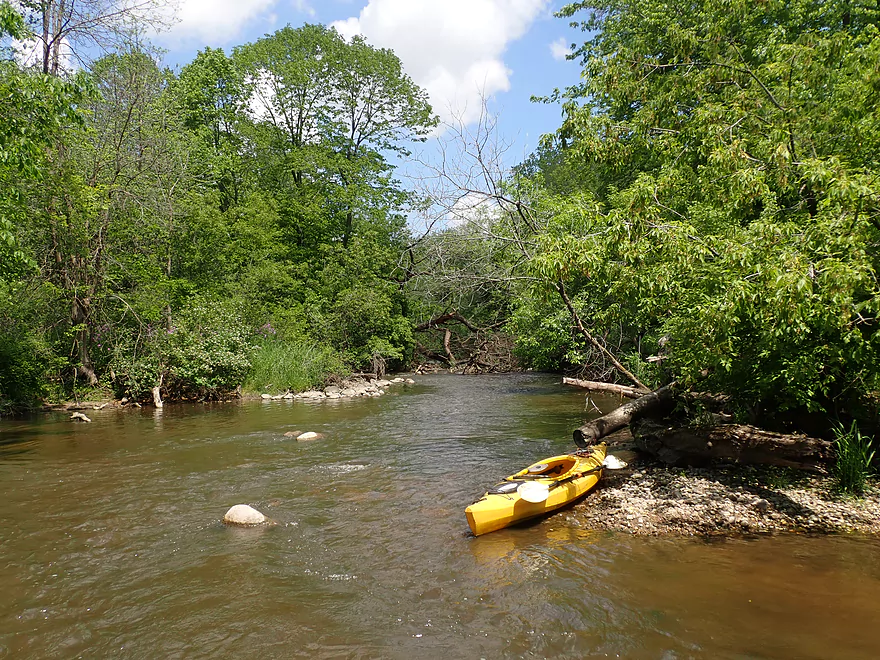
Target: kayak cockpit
{"points": [[557, 467]]}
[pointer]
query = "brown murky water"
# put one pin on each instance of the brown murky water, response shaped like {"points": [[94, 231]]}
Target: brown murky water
{"points": [[111, 543]]}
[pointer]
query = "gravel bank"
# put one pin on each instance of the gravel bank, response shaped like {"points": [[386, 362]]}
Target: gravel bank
{"points": [[650, 499]]}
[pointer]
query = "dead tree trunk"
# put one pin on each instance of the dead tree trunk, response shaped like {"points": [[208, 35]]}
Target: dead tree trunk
{"points": [[655, 403], [612, 388], [680, 444], [478, 343], [731, 442], [157, 398]]}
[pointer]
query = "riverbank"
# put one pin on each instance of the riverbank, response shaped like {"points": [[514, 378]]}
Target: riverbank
{"points": [[650, 499], [359, 386]]}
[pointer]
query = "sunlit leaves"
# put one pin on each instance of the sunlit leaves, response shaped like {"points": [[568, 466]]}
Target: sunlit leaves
{"points": [[739, 215]]}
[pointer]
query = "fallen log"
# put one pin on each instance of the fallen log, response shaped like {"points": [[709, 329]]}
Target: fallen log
{"points": [[655, 403], [595, 386], [731, 442]]}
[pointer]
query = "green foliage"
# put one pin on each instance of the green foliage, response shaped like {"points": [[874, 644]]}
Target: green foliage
{"points": [[732, 205], [208, 349], [367, 326], [11, 22], [278, 365], [34, 109], [143, 198], [203, 354], [26, 358], [854, 457], [543, 334], [24, 365]]}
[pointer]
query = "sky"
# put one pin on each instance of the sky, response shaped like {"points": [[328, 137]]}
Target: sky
{"points": [[458, 50]]}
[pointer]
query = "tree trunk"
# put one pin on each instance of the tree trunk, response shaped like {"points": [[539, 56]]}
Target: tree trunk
{"points": [[447, 336], [654, 403], [731, 442], [613, 388], [79, 314]]}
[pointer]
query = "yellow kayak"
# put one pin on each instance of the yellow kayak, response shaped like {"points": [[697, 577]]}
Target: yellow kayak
{"points": [[557, 481]]}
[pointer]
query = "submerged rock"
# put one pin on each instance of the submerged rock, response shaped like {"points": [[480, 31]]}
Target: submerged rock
{"points": [[79, 416], [309, 435], [293, 434], [242, 514]]}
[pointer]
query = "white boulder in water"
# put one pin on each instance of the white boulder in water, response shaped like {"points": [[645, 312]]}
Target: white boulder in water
{"points": [[242, 514], [309, 435]]}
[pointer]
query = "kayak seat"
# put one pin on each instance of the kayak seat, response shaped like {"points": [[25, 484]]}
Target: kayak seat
{"points": [[555, 471], [505, 488]]}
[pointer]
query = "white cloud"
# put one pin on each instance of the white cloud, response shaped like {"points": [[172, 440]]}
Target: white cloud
{"points": [[217, 22], [452, 48], [472, 209], [303, 7], [30, 53], [560, 49]]}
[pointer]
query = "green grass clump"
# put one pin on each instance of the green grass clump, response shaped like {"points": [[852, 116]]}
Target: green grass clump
{"points": [[854, 456], [279, 365]]}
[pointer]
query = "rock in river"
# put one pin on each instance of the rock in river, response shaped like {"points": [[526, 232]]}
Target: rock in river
{"points": [[242, 514], [309, 435]]}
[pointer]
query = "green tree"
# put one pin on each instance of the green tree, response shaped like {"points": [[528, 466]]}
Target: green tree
{"points": [[738, 213], [211, 95], [327, 115]]}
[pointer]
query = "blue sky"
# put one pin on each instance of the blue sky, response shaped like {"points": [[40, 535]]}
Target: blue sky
{"points": [[456, 49]]}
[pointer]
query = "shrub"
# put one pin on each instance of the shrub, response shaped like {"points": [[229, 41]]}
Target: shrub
{"points": [[204, 353], [854, 456], [278, 365], [23, 367]]}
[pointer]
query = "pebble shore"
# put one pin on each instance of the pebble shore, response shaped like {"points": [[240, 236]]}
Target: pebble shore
{"points": [[650, 499]]}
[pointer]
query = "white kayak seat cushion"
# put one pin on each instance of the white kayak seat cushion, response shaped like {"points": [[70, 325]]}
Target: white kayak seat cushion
{"points": [[540, 467], [505, 487]]}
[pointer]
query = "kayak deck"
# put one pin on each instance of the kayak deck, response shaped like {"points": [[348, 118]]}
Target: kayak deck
{"points": [[567, 477]]}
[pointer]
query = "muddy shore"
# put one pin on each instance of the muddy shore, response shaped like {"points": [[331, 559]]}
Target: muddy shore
{"points": [[651, 499]]}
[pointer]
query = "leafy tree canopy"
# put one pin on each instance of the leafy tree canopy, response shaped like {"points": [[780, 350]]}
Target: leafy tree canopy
{"points": [[736, 212]]}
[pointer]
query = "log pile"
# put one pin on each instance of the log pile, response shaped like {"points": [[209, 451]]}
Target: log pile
{"points": [[680, 444]]}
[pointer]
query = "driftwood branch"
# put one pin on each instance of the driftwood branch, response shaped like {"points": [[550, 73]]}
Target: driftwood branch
{"points": [[654, 403], [485, 348], [560, 287], [613, 388], [444, 319]]}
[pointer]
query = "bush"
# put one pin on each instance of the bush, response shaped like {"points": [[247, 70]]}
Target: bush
{"points": [[366, 325], [23, 367], [854, 456], [278, 365], [26, 356], [204, 353], [208, 350]]}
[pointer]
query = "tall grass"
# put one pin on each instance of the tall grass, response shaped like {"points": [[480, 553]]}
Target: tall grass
{"points": [[279, 365], [854, 456]]}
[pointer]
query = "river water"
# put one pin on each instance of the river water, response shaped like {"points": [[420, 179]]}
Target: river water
{"points": [[111, 543]]}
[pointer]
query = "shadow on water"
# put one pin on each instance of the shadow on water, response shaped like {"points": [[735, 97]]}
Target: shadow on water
{"points": [[111, 543]]}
